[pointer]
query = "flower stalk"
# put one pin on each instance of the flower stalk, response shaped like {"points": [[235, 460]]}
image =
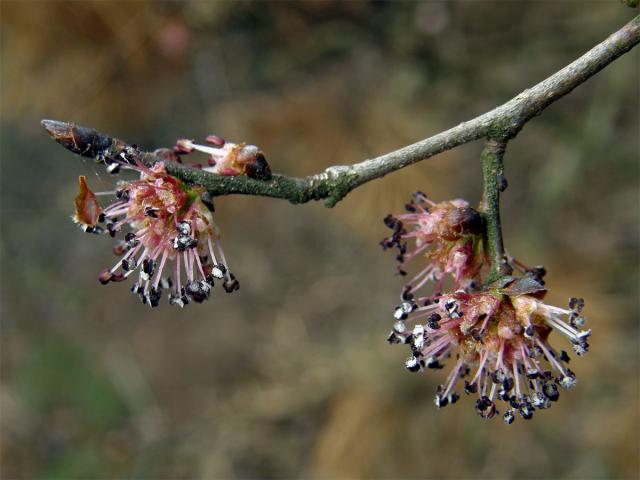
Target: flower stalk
{"points": [[494, 184]]}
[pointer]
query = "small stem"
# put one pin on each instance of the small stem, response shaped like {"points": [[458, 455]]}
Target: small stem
{"points": [[494, 184]]}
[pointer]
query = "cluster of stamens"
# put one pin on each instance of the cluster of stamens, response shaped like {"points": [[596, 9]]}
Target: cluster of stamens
{"points": [[446, 234], [170, 222], [498, 335], [500, 345]]}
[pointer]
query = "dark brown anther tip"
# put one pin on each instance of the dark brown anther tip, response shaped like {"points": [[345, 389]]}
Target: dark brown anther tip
{"points": [[79, 140], [259, 168], [461, 221], [105, 276]]}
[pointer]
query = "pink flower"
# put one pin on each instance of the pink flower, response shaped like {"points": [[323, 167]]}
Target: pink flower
{"points": [[447, 235], [172, 232], [227, 158], [500, 342]]}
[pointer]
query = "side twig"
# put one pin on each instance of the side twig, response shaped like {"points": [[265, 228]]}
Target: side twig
{"points": [[502, 123]]}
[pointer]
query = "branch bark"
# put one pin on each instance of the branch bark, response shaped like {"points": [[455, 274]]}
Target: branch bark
{"points": [[499, 124]]}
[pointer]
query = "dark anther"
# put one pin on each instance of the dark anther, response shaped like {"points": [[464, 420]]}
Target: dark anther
{"points": [[476, 335], [259, 168], [509, 417], [433, 321], [538, 273], [195, 292], [231, 285], [151, 212], [485, 407], [122, 195], [550, 390], [434, 364], [406, 293], [419, 196], [117, 277], [148, 266], [131, 239], [470, 388], [576, 304], [412, 364], [113, 168], [526, 410], [441, 401], [184, 228], [503, 395], [184, 242], [483, 403], [154, 297], [400, 314], [393, 338], [580, 346], [507, 384], [105, 276], [528, 332], [390, 221]]}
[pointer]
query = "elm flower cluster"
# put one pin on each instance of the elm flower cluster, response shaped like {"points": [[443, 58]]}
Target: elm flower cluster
{"points": [[497, 334], [447, 235], [169, 222], [500, 343]]}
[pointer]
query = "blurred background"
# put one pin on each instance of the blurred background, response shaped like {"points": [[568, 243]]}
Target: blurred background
{"points": [[291, 376]]}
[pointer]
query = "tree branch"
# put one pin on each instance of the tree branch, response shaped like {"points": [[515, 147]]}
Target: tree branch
{"points": [[499, 124]]}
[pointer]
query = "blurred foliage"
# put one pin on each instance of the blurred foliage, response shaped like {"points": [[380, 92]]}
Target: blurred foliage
{"points": [[291, 376]]}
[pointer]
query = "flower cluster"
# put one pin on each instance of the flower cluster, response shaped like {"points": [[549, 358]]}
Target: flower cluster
{"points": [[169, 221], [448, 235], [501, 347], [498, 334]]}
